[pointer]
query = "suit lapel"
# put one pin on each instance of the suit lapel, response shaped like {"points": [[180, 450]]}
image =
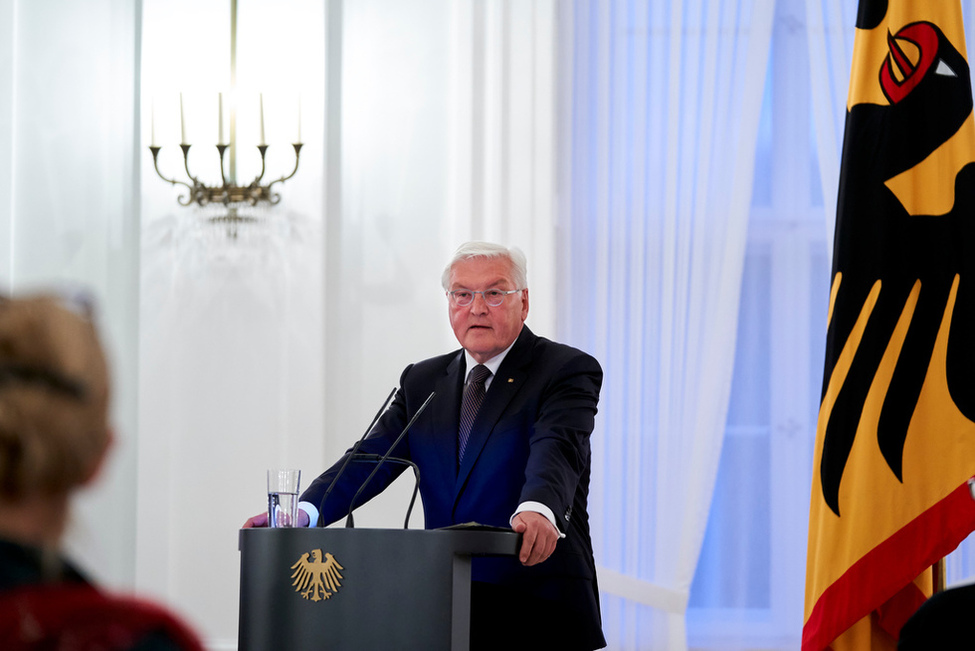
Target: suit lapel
{"points": [[510, 377], [447, 414]]}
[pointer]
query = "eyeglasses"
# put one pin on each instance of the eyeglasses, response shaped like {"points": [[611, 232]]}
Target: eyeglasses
{"points": [[493, 297], [76, 299]]}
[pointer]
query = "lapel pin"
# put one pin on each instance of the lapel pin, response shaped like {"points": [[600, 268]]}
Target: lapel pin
{"points": [[510, 380]]}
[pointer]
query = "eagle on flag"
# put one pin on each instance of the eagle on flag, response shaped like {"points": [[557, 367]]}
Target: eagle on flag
{"points": [[895, 443]]}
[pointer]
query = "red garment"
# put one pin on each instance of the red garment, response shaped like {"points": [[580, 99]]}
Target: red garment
{"points": [[78, 617]]}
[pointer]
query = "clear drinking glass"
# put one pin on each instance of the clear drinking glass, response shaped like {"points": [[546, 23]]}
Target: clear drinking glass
{"points": [[282, 497]]}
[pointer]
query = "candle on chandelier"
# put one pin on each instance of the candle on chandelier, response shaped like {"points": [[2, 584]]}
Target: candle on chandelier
{"points": [[152, 123], [219, 118], [299, 120], [182, 121], [261, 97]]}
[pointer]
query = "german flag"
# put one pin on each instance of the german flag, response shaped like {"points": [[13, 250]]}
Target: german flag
{"points": [[895, 445]]}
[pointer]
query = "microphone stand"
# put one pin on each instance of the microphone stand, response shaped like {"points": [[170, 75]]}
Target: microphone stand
{"points": [[352, 452], [364, 456], [349, 520]]}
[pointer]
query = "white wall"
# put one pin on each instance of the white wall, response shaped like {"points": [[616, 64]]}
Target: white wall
{"points": [[231, 343], [70, 215]]}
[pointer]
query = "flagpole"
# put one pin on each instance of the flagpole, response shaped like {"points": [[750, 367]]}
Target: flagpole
{"points": [[940, 578]]}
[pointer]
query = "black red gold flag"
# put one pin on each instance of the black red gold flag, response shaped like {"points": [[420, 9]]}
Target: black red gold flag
{"points": [[895, 444]]}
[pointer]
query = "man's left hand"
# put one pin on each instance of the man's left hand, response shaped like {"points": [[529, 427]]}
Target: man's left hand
{"points": [[538, 539]]}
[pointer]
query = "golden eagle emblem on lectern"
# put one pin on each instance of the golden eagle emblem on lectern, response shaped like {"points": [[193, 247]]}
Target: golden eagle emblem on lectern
{"points": [[314, 578]]}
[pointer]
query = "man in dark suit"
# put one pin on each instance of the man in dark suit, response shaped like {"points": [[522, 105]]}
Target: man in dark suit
{"points": [[524, 462]]}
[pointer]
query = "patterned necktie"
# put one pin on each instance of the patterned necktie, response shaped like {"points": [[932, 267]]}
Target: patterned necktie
{"points": [[473, 395]]}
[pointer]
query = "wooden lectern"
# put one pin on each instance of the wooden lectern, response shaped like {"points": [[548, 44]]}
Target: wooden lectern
{"points": [[365, 589]]}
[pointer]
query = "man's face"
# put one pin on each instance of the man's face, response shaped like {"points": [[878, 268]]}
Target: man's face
{"points": [[485, 331]]}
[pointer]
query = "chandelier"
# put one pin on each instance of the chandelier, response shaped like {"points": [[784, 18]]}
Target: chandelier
{"points": [[229, 192]]}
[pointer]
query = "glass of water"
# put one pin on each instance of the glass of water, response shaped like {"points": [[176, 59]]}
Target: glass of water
{"points": [[282, 498]]}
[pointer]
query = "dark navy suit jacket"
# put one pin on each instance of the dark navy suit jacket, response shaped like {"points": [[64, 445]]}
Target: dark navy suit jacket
{"points": [[529, 442]]}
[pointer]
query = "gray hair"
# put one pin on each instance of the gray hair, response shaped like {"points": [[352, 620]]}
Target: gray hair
{"points": [[468, 250]]}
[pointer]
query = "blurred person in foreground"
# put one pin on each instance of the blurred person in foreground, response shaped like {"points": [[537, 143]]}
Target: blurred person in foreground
{"points": [[54, 436], [518, 457]]}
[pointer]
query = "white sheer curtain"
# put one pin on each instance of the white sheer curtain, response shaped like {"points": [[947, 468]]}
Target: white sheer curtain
{"points": [[830, 29], [748, 582], [660, 124], [503, 146], [69, 78]]}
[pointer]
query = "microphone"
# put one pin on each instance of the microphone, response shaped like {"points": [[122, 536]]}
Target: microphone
{"points": [[352, 452], [365, 456], [348, 521]]}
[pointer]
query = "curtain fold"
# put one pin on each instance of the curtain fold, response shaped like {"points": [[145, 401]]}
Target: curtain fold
{"points": [[830, 31], [661, 120], [501, 179]]}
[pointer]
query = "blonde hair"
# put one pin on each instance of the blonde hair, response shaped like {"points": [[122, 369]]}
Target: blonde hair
{"points": [[53, 398]]}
